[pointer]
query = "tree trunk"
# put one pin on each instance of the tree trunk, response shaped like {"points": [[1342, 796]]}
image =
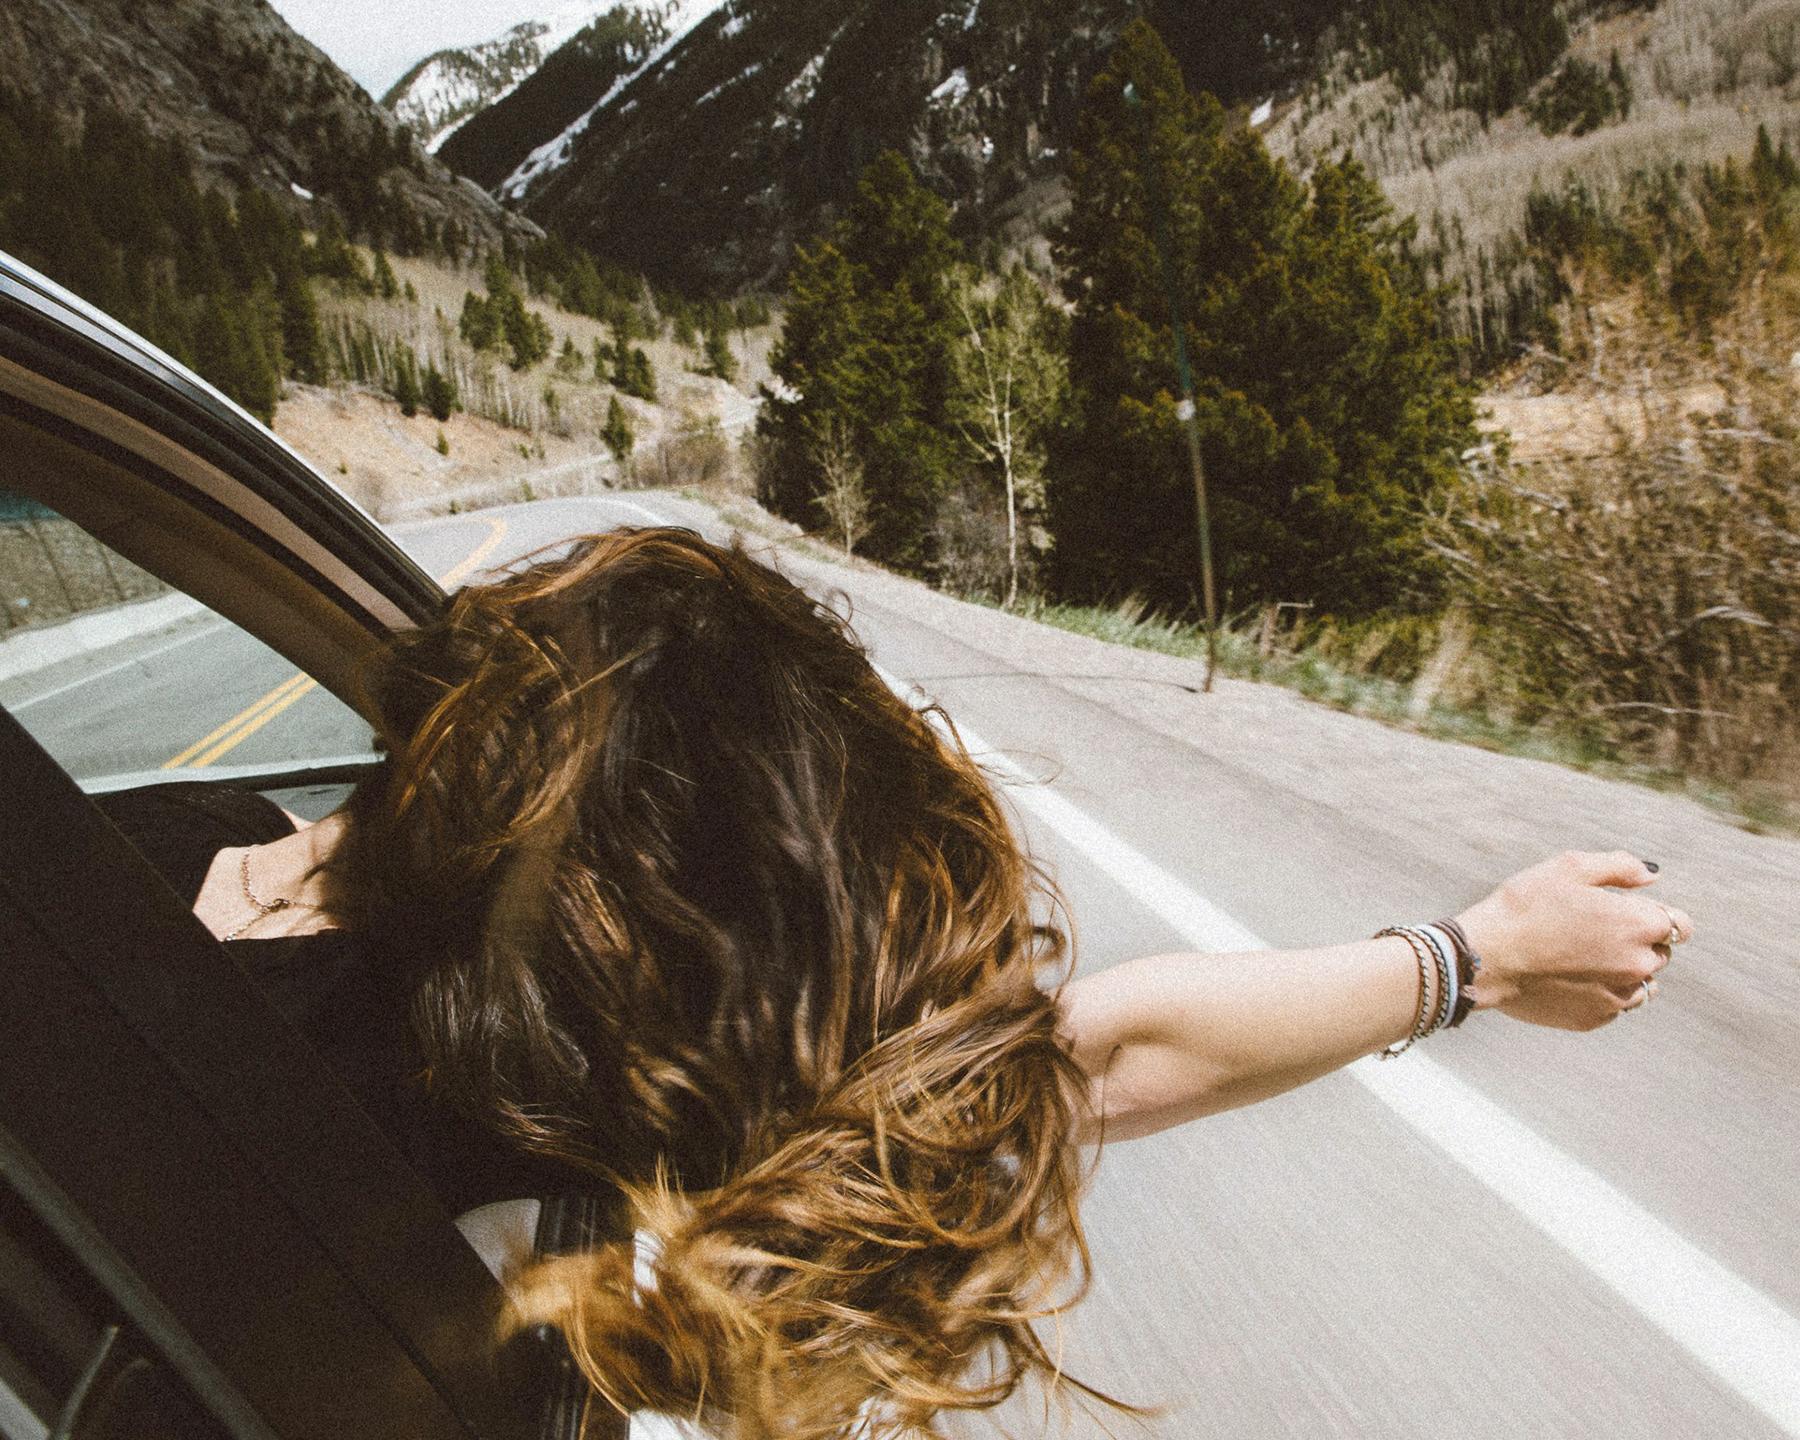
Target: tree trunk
{"points": [[1012, 540]]}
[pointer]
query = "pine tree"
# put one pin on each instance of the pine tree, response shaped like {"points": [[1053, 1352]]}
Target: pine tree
{"points": [[333, 257], [406, 388], [438, 392], [618, 434], [866, 347], [230, 350], [526, 332], [632, 371], [301, 341], [1620, 85], [479, 324], [387, 284], [1329, 412], [497, 273], [720, 362], [643, 376]]}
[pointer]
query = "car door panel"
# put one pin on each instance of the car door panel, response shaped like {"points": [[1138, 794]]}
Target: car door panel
{"points": [[148, 1091]]}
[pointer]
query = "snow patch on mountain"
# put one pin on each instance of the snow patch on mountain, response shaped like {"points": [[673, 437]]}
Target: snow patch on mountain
{"points": [[720, 89], [447, 88], [954, 90], [682, 18]]}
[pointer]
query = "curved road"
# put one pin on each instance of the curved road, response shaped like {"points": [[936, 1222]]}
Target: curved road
{"points": [[1516, 1234]]}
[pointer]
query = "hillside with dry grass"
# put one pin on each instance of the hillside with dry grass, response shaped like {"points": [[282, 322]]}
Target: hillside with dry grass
{"points": [[514, 432], [1698, 79]]}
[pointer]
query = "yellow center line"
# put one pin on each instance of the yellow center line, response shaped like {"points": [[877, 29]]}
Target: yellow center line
{"points": [[297, 693], [250, 712], [481, 552], [248, 721]]}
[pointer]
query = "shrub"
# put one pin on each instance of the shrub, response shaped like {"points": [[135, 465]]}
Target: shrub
{"points": [[618, 433], [695, 455], [1652, 598]]}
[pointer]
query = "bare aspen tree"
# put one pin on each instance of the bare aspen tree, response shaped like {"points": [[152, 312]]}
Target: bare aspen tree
{"points": [[1010, 378], [843, 492]]}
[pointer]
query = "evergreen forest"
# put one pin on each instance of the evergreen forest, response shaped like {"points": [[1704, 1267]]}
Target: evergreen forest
{"points": [[1026, 435], [1330, 411]]}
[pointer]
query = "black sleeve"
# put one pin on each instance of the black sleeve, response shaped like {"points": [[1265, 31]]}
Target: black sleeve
{"points": [[180, 827]]}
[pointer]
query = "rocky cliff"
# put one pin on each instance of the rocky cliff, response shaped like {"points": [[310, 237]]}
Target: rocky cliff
{"points": [[255, 103]]}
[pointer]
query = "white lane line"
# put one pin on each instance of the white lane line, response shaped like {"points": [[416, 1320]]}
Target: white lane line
{"points": [[1732, 1328], [199, 634], [649, 515], [1736, 1331]]}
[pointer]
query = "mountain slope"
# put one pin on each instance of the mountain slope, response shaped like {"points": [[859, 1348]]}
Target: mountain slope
{"points": [[256, 104], [1690, 82], [446, 88], [706, 167], [504, 146], [736, 133]]}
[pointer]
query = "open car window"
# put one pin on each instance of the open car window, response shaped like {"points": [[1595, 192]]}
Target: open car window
{"points": [[126, 680]]}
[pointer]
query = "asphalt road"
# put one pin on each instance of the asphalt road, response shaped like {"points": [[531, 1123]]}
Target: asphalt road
{"points": [[1516, 1235]]}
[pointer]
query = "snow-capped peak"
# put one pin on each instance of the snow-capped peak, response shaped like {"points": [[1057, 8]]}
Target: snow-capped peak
{"points": [[447, 88], [680, 18]]}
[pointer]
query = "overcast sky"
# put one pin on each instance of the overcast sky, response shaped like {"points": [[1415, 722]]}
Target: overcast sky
{"points": [[378, 40]]}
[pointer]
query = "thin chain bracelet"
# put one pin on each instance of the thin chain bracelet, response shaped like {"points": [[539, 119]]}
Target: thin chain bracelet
{"points": [[1417, 947]]}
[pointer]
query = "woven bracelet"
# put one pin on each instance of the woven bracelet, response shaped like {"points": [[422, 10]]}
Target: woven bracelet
{"points": [[1443, 951], [1418, 947]]}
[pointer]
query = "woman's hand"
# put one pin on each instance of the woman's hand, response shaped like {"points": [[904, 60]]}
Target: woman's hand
{"points": [[1561, 945], [1167, 1038]]}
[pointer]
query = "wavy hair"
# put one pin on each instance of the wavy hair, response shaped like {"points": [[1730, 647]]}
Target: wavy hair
{"points": [[718, 919]]}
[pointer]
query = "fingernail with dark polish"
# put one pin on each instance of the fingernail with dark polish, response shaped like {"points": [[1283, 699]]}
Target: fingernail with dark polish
{"points": [[1652, 867]]}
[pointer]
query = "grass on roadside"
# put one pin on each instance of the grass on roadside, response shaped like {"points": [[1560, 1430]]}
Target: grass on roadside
{"points": [[1242, 655], [1316, 668]]}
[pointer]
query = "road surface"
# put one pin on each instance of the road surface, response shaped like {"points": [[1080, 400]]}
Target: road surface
{"points": [[1507, 1233]]}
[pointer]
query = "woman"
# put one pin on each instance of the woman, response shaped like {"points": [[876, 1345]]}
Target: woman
{"points": [[661, 891]]}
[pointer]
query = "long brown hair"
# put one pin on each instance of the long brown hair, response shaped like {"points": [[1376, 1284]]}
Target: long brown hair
{"points": [[720, 920]]}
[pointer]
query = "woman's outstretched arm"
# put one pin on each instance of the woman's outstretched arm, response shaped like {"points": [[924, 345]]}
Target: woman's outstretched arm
{"points": [[1169, 1038]]}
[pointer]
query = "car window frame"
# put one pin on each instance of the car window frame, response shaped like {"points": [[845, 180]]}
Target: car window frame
{"points": [[236, 518], [76, 386]]}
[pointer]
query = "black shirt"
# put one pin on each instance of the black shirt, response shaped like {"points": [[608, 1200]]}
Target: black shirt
{"points": [[345, 996]]}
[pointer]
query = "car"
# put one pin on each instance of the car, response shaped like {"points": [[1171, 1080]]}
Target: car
{"points": [[201, 1234]]}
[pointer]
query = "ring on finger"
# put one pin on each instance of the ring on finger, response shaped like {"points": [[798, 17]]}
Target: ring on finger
{"points": [[1649, 992], [1674, 937]]}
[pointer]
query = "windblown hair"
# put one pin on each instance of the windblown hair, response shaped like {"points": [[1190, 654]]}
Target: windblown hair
{"points": [[725, 923]]}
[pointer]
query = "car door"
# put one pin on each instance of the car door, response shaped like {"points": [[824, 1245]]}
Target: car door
{"points": [[200, 1232]]}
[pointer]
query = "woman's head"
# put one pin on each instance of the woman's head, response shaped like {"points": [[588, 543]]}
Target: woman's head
{"points": [[713, 914]]}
